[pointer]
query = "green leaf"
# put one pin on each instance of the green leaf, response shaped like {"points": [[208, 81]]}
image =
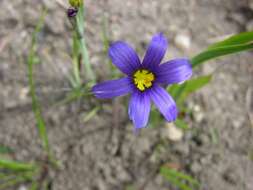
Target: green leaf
{"points": [[16, 166], [80, 25], [242, 38], [5, 149], [34, 186], [178, 179], [180, 92], [91, 114], [105, 34], [11, 181], [218, 52], [75, 79], [155, 118], [179, 123], [35, 104], [175, 90], [41, 126]]}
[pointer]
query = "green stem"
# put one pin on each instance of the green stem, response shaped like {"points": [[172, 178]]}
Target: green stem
{"points": [[83, 47], [75, 54], [35, 103]]}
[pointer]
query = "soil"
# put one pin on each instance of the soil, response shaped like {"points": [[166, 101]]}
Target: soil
{"points": [[103, 153]]}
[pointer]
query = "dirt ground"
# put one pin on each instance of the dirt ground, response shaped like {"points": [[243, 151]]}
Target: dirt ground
{"points": [[103, 153]]}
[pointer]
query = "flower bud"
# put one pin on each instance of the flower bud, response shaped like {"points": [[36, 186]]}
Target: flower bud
{"points": [[75, 3], [72, 12]]}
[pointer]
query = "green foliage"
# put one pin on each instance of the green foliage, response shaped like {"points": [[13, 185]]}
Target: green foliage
{"points": [[178, 179], [34, 186], [242, 38], [82, 44], [105, 35], [35, 104], [155, 118], [179, 123], [76, 3], [5, 149], [76, 94], [75, 79], [91, 114], [181, 92], [218, 52], [234, 44], [16, 166], [14, 172], [9, 181]]}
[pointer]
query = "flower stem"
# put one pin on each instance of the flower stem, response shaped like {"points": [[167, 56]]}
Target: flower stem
{"points": [[83, 48], [41, 126]]}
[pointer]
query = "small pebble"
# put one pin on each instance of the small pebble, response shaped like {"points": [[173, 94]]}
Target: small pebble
{"points": [[196, 167], [173, 133], [183, 41], [23, 94]]}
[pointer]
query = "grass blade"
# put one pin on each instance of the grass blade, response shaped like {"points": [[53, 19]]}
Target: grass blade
{"points": [[82, 41], [218, 52], [16, 166], [242, 38], [180, 175], [173, 180], [178, 179], [76, 80], [91, 114], [35, 104]]}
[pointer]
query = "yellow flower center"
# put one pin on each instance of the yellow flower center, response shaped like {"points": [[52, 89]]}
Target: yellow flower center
{"points": [[143, 79]]}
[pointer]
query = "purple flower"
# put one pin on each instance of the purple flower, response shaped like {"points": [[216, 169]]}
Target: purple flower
{"points": [[145, 81]]}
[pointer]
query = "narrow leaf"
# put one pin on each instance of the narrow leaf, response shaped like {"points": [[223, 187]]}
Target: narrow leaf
{"points": [[218, 52], [41, 126], [178, 178], [173, 179], [91, 114], [180, 92], [242, 38], [180, 175], [16, 166]]}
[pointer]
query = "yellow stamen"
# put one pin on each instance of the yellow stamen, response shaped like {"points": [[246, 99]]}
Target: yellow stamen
{"points": [[143, 79]]}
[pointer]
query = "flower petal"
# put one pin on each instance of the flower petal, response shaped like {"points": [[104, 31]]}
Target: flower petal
{"points": [[124, 57], [174, 71], [155, 52], [139, 108], [113, 88], [164, 102]]}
